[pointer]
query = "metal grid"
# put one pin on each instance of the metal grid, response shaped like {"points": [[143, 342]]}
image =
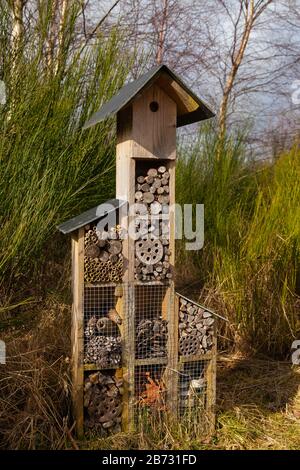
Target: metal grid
{"points": [[102, 321], [103, 402], [196, 329], [103, 258], [150, 387], [192, 386], [151, 326]]}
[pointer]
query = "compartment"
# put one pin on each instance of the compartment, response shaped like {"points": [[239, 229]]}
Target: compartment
{"points": [[102, 323], [103, 393], [151, 326], [103, 258], [193, 387], [150, 387], [152, 198], [196, 329]]}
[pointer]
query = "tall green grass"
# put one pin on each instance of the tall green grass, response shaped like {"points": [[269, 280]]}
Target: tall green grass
{"points": [[249, 266], [50, 169]]}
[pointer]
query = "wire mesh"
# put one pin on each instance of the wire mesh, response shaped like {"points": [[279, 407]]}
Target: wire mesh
{"points": [[151, 326], [102, 321], [103, 402], [196, 329], [192, 386], [150, 387]]}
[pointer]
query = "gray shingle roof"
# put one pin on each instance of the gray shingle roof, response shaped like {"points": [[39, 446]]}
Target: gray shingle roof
{"points": [[90, 216], [198, 111]]}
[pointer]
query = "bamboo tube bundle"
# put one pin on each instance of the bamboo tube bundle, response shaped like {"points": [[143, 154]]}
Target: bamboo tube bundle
{"points": [[103, 261], [196, 329], [103, 403], [152, 244]]}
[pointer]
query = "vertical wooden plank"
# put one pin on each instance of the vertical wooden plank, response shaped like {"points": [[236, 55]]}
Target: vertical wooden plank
{"points": [[77, 328], [125, 189], [125, 184], [211, 386], [128, 359], [154, 133], [172, 375]]}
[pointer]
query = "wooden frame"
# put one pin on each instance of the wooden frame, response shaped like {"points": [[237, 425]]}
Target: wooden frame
{"points": [[78, 328]]}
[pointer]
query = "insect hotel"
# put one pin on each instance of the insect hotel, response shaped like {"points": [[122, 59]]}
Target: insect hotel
{"points": [[137, 345]]}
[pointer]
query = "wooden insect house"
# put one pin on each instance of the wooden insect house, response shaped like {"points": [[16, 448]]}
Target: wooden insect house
{"points": [[138, 346]]}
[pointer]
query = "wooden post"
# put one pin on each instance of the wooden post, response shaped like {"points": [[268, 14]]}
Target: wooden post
{"points": [[211, 385], [77, 327]]}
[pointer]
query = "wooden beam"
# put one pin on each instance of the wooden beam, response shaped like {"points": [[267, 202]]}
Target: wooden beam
{"points": [[78, 328], [211, 386]]}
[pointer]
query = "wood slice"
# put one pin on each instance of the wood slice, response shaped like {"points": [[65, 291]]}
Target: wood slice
{"points": [[157, 183], [149, 251], [163, 199], [166, 175], [162, 169], [148, 198], [149, 179], [160, 190], [114, 259], [166, 189], [101, 243], [145, 188], [152, 172], [138, 196], [155, 208], [115, 247], [140, 179], [104, 256], [92, 251]]}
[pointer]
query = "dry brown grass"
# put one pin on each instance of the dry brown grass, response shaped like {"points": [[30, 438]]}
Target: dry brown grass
{"points": [[258, 407], [34, 384], [258, 404]]}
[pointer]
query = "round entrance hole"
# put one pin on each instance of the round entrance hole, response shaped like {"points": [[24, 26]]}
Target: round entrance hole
{"points": [[154, 106]]}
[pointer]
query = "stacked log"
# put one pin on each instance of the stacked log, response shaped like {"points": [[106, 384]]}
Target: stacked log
{"points": [[103, 259], [151, 338], [152, 225], [196, 329], [103, 403]]}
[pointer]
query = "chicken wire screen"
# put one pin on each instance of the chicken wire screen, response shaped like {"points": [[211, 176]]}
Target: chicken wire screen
{"points": [[151, 325], [103, 402], [150, 389], [102, 337], [192, 386], [196, 329]]}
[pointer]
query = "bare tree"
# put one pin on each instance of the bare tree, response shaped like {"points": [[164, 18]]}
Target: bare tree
{"points": [[248, 13], [17, 10]]}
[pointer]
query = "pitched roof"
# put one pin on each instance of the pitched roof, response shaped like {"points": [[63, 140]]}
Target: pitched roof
{"points": [[91, 215], [190, 108]]}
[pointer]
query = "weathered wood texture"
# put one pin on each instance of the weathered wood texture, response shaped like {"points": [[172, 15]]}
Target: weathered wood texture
{"points": [[77, 327], [154, 133]]}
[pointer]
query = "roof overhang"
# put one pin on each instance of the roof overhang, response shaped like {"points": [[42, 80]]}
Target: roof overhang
{"points": [[190, 108]]}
